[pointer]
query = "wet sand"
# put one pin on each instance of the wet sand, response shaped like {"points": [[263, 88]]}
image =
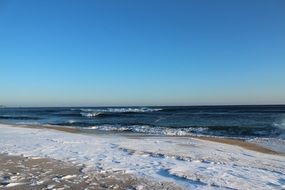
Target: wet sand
{"points": [[229, 141], [240, 143], [58, 128]]}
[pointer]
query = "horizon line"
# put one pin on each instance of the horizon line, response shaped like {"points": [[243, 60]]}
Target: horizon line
{"points": [[200, 105]]}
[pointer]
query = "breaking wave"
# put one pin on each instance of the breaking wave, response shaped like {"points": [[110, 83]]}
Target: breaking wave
{"points": [[150, 130], [90, 114], [281, 126], [230, 131], [109, 111]]}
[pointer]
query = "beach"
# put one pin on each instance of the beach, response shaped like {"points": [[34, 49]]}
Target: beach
{"points": [[68, 159], [19, 172]]}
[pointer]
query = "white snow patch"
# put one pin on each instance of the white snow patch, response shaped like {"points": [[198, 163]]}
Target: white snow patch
{"points": [[188, 162]]}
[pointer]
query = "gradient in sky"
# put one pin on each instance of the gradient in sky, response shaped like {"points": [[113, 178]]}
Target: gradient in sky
{"points": [[150, 52]]}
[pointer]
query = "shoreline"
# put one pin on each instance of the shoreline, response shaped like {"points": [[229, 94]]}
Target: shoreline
{"points": [[224, 140]]}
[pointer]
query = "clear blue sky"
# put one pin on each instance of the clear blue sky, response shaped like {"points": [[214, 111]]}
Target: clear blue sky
{"points": [[147, 52]]}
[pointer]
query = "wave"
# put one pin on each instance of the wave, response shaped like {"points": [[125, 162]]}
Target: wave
{"points": [[122, 110], [229, 131], [102, 111], [147, 129], [90, 114], [244, 131], [281, 126]]}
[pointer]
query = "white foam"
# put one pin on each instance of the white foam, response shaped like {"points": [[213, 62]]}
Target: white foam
{"points": [[92, 114], [97, 111], [71, 121], [146, 129], [122, 110]]}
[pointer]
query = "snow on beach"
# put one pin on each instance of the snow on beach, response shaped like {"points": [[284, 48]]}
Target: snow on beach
{"points": [[187, 162]]}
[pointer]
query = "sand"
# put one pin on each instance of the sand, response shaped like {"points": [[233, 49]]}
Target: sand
{"points": [[19, 172], [68, 157], [240, 143]]}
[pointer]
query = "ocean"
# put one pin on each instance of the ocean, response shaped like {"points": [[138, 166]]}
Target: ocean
{"points": [[227, 121]]}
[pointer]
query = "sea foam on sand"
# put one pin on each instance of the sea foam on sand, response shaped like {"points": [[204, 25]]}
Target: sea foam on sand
{"points": [[188, 162]]}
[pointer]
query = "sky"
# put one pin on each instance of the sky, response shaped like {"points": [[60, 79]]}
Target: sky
{"points": [[147, 52]]}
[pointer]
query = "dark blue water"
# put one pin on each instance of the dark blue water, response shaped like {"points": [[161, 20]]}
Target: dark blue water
{"points": [[232, 121]]}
